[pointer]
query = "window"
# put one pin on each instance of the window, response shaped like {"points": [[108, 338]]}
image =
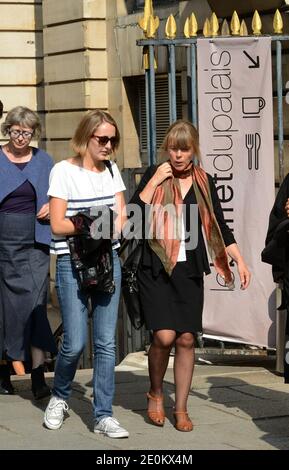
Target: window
{"points": [[162, 109]]}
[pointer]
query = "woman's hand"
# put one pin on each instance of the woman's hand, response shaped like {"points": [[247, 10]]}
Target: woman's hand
{"points": [[287, 207], [163, 172], [244, 274], [43, 214]]}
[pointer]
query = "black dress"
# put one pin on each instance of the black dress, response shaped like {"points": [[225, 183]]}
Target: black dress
{"points": [[176, 302]]}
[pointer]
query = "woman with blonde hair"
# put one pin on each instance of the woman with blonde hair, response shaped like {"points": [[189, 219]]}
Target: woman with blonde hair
{"points": [[172, 270], [85, 181]]}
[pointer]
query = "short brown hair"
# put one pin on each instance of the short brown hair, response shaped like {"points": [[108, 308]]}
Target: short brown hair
{"points": [[24, 117], [182, 134], [86, 128]]}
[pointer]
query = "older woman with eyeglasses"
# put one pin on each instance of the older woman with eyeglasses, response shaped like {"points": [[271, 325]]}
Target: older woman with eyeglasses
{"points": [[25, 333]]}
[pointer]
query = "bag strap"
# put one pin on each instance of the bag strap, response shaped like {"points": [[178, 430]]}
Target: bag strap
{"points": [[108, 165], [124, 243]]}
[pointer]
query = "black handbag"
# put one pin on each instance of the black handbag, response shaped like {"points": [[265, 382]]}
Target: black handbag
{"points": [[129, 284]]}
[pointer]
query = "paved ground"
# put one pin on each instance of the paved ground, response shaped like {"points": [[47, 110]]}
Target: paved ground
{"points": [[235, 403]]}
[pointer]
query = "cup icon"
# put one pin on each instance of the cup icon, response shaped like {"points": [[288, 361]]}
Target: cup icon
{"points": [[252, 105]]}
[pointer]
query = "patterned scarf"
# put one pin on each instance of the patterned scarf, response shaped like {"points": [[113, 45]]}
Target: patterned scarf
{"points": [[167, 245]]}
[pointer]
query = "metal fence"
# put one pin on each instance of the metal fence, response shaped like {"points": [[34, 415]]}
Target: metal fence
{"points": [[149, 23]]}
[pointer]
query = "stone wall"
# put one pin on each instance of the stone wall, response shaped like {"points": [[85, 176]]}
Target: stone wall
{"points": [[21, 55]]}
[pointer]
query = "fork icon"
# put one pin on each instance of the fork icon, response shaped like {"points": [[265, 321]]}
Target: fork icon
{"points": [[249, 144], [253, 141]]}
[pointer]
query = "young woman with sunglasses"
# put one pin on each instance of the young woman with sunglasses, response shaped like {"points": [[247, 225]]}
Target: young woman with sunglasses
{"points": [[82, 182], [25, 333]]}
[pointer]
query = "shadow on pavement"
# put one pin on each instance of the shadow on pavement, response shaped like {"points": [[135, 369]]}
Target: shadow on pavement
{"points": [[268, 408]]}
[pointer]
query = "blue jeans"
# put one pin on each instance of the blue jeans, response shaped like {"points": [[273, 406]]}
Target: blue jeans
{"points": [[73, 305]]}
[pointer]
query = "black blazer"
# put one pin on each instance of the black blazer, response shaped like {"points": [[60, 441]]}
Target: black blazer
{"points": [[276, 251], [197, 261]]}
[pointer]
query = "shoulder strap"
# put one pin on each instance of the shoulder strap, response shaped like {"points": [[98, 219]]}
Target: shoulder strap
{"points": [[108, 165]]}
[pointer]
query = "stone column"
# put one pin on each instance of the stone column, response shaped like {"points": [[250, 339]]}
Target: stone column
{"points": [[75, 67]]}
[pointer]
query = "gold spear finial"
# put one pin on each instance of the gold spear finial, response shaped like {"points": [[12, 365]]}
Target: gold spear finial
{"points": [[256, 24], [146, 21], [243, 29], [152, 27], [225, 30], [149, 24], [191, 27], [235, 24], [171, 27], [148, 11], [187, 28], [207, 28], [214, 24], [278, 23]]}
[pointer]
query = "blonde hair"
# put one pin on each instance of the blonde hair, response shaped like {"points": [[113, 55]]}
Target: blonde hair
{"points": [[182, 134], [86, 128], [24, 117]]}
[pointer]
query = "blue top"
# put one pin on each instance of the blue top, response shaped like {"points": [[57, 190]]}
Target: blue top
{"points": [[37, 173]]}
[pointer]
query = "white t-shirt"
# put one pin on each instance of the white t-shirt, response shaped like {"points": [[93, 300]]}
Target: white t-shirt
{"points": [[82, 189], [182, 251]]}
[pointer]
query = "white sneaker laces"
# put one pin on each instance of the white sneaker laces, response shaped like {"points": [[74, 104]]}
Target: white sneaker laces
{"points": [[57, 408], [108, 422]]}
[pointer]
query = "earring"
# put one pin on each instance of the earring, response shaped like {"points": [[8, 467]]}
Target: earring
{"points": [[196, 161]]}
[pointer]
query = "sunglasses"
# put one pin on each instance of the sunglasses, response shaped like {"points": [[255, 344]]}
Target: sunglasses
{"points": [[103, 140]]}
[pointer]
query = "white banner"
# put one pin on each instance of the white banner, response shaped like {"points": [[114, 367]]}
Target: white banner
{"points": [[237, 147]]}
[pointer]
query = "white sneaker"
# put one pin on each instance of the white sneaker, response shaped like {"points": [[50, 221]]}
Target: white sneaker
{"points": [[54, 413], [110, 427]]}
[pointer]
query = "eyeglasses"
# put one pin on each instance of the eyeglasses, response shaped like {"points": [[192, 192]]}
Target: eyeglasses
{"points": [[103, 140], [15, 134]]}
